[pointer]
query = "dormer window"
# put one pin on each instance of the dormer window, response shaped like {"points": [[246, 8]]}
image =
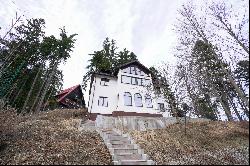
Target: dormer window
{"points": [[133, 70], [104, 82]]}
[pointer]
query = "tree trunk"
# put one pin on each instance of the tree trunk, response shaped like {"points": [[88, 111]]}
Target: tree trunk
{"points": [[31, 89], [39, 91], [246, 111], [47, 83], [20, 90], [191, 96], [235, 109], [225, 105], [47, 99]]}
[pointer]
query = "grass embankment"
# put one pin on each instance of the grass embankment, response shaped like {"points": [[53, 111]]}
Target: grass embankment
{"points": [[49, 138], [205, 143]]}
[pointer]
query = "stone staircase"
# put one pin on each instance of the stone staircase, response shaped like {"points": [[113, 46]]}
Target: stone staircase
{"points": [[123, 149]]}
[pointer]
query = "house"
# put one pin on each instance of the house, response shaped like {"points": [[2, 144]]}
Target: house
{"points": [[125, 93], [71, 98]]}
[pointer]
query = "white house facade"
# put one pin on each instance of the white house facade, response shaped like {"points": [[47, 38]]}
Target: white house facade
{"points": [[125, 93]]}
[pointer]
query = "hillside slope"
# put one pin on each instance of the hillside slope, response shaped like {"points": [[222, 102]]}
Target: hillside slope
{"points": [[205, 143], [49, 138]]}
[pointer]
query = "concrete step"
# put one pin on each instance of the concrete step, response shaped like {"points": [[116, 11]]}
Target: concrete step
{"points": [[118, 142], [106, 130], [134, 162], [119, 138], [125, 150], [116, 146], [112, 134], [128, 156]]}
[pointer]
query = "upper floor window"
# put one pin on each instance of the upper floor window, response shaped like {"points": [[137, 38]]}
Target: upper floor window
{"points": [[138, 100], [103, 101], [126, 79], [127, 99], [148, 101], [133, 70], [140, 81], [104, 81], [135, 81]]}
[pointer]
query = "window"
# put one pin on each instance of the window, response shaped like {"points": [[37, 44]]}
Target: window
{"points": [[160, 106], [127, 99], [139, 81], [104, 81], [133, 81], [103, 101], [148, 101], [138, 100], [126, 80], [133, 70]]}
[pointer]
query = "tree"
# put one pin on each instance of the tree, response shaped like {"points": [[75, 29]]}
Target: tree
{"points": [[24, 53], [222, 14], [162, 87], [242, 71], [197, 36], [193, 25], [107, 60]]}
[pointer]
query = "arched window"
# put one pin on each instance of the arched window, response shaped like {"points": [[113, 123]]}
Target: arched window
{"points": [[127, 99], [148, 101], [138, 100]]}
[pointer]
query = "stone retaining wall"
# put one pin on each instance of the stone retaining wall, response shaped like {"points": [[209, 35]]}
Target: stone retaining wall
{"points": [[140, 123]]}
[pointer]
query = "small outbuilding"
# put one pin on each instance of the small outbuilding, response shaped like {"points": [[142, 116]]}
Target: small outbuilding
{"points": [[71, 98]]}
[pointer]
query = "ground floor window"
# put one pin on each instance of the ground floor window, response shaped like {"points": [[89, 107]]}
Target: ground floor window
{"points": [[127, 99], [148, 101], [160, 106], [138, 100], [103, 101]]}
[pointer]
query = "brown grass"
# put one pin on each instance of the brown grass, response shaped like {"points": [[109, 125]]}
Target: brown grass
{"points": [[204, 143], [49, 138]]}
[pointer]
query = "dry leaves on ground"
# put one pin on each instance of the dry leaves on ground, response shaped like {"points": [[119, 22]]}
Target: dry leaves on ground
{"points": [[49, 138], [204, 143]]}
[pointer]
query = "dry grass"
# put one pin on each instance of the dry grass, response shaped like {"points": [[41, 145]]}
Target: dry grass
{"points": [[49, 138], [205, 143]]}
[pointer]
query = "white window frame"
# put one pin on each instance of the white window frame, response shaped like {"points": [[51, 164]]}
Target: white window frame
{"points": [[104, 81], [148, 97], [138, 96], [103, 101], [125, 97]]}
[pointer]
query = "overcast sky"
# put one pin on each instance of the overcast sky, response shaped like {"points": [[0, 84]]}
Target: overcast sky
{"points": [[142, 26]]}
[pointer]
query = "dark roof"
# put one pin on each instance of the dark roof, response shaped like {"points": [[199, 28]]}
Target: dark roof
{"points": [[134, 62]]}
